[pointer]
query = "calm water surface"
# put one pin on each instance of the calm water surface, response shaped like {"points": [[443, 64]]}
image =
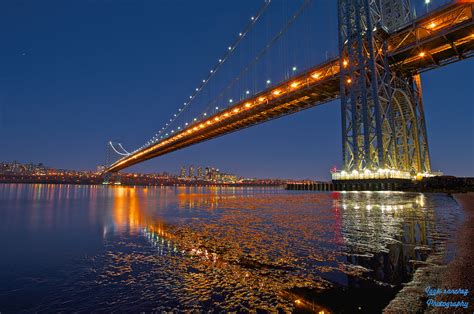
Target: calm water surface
{"points": [[83, 248]]}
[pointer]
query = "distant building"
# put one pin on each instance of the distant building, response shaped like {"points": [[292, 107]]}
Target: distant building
{"points": [[182, 172], [191, 171], [200, 173]]}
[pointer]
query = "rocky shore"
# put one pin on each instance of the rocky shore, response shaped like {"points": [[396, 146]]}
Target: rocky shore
{"points": [[458, 274]]}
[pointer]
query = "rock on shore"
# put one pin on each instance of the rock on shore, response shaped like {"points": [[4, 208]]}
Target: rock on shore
{"points": [[458, 274]]}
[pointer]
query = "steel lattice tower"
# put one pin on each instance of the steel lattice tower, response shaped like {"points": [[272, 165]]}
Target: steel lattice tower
{"points": [[383, 124]]}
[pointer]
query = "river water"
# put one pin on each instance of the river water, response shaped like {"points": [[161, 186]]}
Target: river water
{"points": [[83, 248]]}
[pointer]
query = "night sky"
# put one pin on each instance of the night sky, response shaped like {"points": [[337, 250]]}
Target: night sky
{"points": [[75, 74]]}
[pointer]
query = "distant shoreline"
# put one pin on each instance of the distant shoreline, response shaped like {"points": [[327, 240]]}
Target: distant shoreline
{"points": [[149, 185]]}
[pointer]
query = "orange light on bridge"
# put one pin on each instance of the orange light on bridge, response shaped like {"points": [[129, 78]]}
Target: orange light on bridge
{"points": [[201, 125], [315, 75], [236, 110], [247, 105], [261, 99], [226, 114], [189, 131], [422, 54], [276, 92], [349, 81], [208, 122], [345, 63], [195, 129], [294, 84], [432, 25], [216, 118]]}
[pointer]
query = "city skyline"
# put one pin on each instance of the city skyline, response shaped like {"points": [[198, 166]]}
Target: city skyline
{"points": [[32, 173], [61, 103]]}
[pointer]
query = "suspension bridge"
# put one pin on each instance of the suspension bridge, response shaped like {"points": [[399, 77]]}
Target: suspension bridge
{"points": [[383, 49]]}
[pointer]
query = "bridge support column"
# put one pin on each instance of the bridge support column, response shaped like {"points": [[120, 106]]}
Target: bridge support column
{"points": [[383, 124]]}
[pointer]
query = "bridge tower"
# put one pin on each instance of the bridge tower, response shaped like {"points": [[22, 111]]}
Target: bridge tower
{"points": [[383, 124]]}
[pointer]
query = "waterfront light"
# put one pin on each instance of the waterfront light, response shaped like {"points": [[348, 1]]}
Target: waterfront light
{"points": [[422, 54]]}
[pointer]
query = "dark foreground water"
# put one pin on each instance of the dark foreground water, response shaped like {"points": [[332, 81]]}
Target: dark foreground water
{"points": [[83, 248]]}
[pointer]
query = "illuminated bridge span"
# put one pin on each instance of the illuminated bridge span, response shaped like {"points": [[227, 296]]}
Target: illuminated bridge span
{"points": [[378, 73]]}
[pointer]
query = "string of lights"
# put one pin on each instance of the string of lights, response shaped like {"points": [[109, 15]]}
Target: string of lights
{"points": [[230, 50], [260, 54]]}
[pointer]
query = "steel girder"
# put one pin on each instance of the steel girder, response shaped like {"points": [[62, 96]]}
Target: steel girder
{"points": [[383, 124]]}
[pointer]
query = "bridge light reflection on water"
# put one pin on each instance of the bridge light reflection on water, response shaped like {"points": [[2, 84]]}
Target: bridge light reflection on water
{"points": [[356, 230], [229, 248]]}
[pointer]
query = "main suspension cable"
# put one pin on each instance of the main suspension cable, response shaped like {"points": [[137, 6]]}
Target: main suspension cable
{"points": [[213, 71]]}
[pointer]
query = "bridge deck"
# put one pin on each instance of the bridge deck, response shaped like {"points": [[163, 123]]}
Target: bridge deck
{"points": [[444, 36]]}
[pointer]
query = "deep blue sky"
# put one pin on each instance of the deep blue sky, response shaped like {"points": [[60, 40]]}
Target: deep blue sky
{"points": [[74, 74]]}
